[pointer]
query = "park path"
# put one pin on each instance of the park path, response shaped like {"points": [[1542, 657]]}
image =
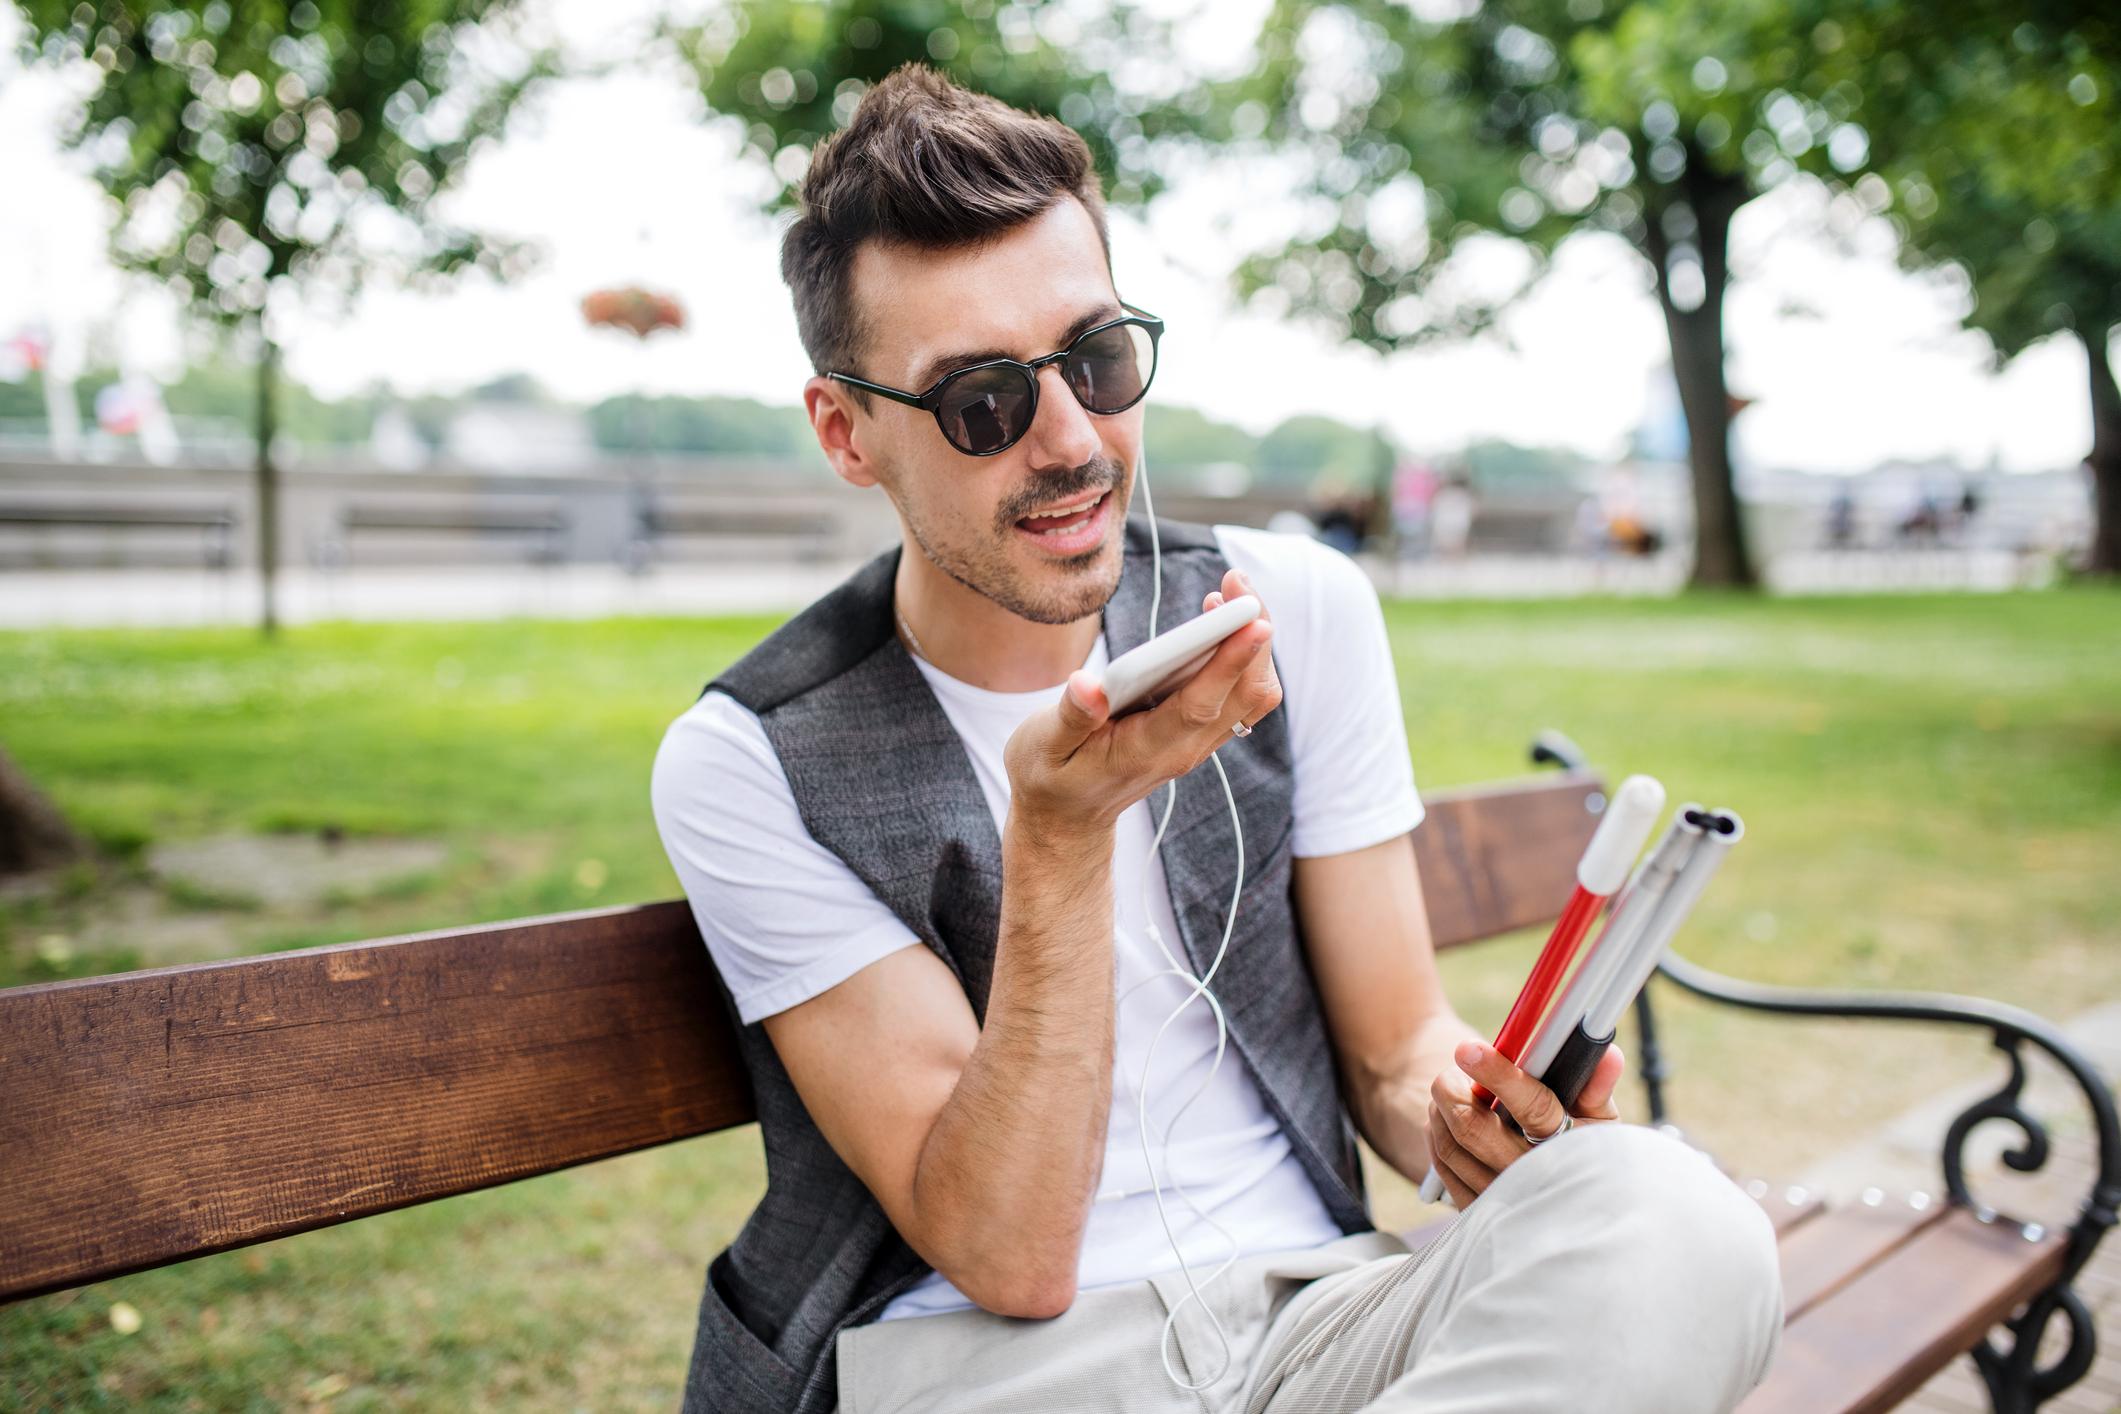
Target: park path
{"points": [[176, 598]]}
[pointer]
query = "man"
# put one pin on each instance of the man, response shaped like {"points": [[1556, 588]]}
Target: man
{"points": [[921, 855]]}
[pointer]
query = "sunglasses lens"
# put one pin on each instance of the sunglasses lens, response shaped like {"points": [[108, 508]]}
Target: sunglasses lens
{"points": [[984, 410], [1110, 369]]}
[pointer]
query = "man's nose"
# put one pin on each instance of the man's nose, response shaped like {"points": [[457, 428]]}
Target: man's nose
{"points": [[1064, 434]]}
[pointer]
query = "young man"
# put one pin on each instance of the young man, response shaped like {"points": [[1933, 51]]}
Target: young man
{"points": [[921, 855]]}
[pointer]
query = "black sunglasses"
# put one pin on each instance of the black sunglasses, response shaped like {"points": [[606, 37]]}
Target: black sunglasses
{"points": [[988, 407]]}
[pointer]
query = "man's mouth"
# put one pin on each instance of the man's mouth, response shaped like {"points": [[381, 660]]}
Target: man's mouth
{"points": [[1069, 527]]}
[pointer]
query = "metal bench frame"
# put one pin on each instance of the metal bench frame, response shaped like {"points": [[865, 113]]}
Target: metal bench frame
{"points": [[2017, 1383], [540, 525]]}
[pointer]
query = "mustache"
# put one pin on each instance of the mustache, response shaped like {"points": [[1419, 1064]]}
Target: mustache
{"points": [[1100, 473]]}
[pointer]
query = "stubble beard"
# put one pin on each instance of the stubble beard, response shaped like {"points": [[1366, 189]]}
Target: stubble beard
{"points": [[987, 568]]}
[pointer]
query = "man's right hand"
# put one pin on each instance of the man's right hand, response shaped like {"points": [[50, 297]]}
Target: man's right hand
{"points": [[1071, 767]]}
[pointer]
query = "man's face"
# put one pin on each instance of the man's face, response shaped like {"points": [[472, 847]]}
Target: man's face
{"points": [[1027, 294]]}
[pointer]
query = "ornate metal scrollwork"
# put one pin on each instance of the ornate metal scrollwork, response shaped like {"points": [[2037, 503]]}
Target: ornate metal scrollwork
{"points": [[2028, 1157], [2017, 1383]]}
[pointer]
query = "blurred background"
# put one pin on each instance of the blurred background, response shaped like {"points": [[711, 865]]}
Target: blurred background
{"points": [[400, 420]]}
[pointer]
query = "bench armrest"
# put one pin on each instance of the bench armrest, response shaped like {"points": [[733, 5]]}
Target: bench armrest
{"points": [[2011, 1028], [2015, 1378]]}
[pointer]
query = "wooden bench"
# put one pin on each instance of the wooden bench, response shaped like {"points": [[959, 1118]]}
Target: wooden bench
{"points": [[728, 530], [216, 521], [540, 528], [159, 1115]]}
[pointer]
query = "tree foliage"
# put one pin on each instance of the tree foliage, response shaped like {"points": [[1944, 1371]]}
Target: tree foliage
{"points": [[262, 153], [714, 426], [794, 73], [258, 143]]}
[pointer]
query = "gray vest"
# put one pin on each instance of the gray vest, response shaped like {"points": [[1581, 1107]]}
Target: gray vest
{"points": [[882, 780]]}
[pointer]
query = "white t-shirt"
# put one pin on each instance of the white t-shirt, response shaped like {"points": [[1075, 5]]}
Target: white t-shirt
{"points": [[784, 918]]}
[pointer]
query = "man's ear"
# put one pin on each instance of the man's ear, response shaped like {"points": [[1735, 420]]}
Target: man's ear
{"points": [[834, 418]]}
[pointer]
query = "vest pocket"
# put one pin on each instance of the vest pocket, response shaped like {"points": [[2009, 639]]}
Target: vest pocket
{"points": [[732, 1369]]}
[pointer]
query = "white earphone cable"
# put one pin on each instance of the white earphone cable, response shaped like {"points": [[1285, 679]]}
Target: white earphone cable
{"points": [[1198, 989]]}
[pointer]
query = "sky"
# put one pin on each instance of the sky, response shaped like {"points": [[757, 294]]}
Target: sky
{"points": [[620, 180]]}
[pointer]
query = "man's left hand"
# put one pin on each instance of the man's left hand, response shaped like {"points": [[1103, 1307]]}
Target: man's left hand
{"points": [[1471, 1143]]}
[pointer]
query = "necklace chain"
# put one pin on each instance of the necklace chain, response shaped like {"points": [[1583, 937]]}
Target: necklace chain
{"points": [[912, 639]]}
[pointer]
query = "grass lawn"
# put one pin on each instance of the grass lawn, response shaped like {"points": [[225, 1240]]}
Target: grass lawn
{"points": [[1932, 788]]}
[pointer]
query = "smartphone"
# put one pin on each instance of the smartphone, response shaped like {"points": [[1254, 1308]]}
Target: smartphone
{"points": [[1142, 677]]}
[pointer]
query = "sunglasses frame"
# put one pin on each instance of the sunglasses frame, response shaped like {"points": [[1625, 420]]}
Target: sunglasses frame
{"points": [[931, 401]]}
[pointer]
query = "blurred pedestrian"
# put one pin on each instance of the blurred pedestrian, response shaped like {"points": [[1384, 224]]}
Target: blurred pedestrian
{"points": [[1414, 488], [1841, 520], [1451, 517]]}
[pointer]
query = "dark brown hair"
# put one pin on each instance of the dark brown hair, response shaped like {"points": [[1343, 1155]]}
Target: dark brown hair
{"points": [[928, 164]]}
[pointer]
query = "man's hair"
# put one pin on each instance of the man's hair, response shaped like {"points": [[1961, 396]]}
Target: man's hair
{"points": [[928, 164]]}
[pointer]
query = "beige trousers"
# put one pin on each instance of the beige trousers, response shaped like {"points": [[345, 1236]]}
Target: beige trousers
{"points": [[1612, 1268]]}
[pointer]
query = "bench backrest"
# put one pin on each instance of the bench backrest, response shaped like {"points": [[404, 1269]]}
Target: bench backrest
{"points": [[153, 1116]]}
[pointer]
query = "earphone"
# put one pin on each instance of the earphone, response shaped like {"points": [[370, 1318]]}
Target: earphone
{"points": [[1198, 990]]}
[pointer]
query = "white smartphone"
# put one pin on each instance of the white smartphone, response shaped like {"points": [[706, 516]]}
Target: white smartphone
{"points": [[1141, 676]]}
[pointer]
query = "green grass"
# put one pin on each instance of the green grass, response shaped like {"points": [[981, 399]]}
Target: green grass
{"points": [[1932, 788]]}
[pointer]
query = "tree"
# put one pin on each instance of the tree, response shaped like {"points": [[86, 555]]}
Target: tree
{"points": [[1402, 134], [1311, 453], [1187, 437], [710, 426], [33, 834], [262, 153], [1532, 120], [2033, 226], [1990, 131]]}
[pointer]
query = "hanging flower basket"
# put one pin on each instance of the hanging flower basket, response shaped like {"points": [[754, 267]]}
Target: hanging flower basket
{"points": [[639, 312]]}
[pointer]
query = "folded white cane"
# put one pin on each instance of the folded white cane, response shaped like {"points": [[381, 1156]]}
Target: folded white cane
{"points": [[1580, 1050], [1626, 923], [1599, 874]]}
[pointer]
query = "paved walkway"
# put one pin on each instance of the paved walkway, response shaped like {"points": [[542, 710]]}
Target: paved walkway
{"points": [[174, 598], [1903, 1157], [193, 598]]}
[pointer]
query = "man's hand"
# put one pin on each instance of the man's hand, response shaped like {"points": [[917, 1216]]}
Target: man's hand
{"points": [[1471, 1143], [1072, 767]]}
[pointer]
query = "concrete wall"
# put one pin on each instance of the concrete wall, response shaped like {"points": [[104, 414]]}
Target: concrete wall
{"points": [[341, 517]]}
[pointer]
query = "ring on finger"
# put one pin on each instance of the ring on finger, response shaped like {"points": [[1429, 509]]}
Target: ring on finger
{"points": [[1240, 730], [1568, 1122]]}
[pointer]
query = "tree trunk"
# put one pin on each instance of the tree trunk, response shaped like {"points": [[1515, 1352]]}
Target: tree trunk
{"points": [[2105, 457], [268, 496], [1721, 558], [33, 834]]}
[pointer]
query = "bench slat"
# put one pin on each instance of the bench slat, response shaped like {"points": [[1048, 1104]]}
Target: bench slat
{"points": [[1823, 1256], [153, 1116], [503, 519], [1790, 1208], [158, 1115], [1499, 858], [176, 517], [1880, 1334]]}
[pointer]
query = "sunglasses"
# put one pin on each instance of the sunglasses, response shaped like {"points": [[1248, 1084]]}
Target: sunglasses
{"points": [[988, 407]]}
